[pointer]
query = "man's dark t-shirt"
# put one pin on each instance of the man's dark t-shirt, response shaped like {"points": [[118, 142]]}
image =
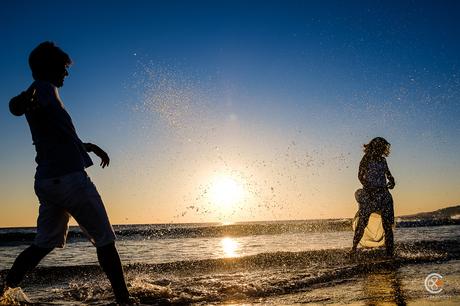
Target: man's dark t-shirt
{"points": [[59, 150]]}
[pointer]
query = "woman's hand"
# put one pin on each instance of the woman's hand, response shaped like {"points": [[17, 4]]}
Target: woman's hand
{"points": [[391, 183]]}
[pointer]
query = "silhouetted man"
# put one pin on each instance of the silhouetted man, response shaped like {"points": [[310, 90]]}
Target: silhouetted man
{"points": [[61, 183]]}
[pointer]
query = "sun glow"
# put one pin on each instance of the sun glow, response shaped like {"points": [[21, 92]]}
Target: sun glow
{"points": [[229, 247], [225, 191]]}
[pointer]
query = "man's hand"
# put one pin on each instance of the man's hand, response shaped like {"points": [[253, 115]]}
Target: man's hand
{"points": [[26, 101], [105, 160]]}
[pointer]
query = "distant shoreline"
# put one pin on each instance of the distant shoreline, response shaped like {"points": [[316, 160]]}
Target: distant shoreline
{"points": [[444, 216]]}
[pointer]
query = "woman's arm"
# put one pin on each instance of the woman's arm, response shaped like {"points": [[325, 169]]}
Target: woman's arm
{"points": [[391, 180], [362, 172]]}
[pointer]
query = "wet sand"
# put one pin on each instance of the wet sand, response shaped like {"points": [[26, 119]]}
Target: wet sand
{"points": [[403, 286]]}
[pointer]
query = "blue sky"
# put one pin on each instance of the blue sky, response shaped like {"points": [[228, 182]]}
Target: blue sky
{"points": [[256, 76]]}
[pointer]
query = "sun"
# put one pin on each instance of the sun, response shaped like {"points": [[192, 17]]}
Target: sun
{"points": [[226, 191]]}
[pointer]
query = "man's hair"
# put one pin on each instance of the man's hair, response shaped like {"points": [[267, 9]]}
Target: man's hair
{"points": [[46, 58]]}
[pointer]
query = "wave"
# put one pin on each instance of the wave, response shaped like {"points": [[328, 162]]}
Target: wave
{"points": [[243, 278], [19, 236], [172, 231]]}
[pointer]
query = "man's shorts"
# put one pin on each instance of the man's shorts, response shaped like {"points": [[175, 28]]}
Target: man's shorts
{"points": [[73, 195]]}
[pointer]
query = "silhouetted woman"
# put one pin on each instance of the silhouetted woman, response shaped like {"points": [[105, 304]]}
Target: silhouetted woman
{"points": [[376, 179]]}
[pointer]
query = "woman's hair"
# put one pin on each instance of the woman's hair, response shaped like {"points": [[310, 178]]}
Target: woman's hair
{"points": [[47, 58], [377, 147]]}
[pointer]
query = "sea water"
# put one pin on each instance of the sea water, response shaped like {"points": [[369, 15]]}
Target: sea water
{"points": [[283, 262]]}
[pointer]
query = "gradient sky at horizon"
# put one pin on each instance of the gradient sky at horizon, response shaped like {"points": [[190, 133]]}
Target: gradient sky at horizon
{"points": [[279, 95]]}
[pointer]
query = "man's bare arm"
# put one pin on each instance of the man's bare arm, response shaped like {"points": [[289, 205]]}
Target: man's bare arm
{"points": [[105, 160], [24, 102]]}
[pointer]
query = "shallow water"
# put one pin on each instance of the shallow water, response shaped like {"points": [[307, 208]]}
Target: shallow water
{"points": [[401, 286], [297, 266], [144, 249]]}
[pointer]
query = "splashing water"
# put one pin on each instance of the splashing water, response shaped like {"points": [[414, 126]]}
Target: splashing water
{"points": [[14, 296], [209, 134]]}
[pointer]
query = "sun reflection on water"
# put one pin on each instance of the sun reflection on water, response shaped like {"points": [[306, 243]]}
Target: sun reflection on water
{"points": [[229, 247]]}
